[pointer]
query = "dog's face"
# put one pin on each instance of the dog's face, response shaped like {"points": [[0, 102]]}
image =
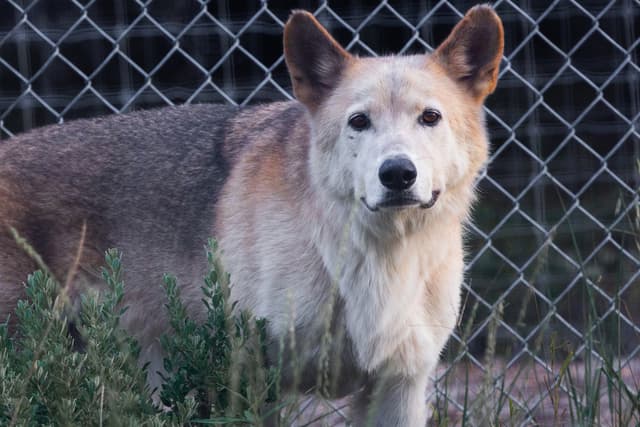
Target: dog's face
{"points": [[397, 134]]}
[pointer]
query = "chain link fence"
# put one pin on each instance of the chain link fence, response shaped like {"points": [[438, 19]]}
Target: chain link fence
{"points": [[553, 266]]}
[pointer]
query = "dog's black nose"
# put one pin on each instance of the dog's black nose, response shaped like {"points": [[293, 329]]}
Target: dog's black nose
{"points": [[397, 173]]}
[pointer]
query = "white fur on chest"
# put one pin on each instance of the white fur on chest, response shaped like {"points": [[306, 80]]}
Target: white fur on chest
{"points": [[399, 292], [384, 305], [400, 295]]}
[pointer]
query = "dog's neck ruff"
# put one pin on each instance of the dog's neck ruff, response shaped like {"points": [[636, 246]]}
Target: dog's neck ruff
{"points": [[378, 273]]}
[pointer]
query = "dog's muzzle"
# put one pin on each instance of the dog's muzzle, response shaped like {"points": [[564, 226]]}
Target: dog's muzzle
{"points": [[400, 201]]}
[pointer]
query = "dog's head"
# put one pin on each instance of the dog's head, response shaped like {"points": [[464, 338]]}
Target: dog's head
{"points": [[397, 134]]}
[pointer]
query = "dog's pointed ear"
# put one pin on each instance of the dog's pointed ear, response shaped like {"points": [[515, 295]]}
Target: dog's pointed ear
{"points": [[314, 59], [472, 52]]}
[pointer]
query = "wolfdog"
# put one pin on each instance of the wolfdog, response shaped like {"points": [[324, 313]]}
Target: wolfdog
{"points": [[354, 197]]}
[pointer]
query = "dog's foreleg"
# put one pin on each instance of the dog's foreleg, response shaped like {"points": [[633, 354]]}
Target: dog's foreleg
{"points": [[392, 401]]}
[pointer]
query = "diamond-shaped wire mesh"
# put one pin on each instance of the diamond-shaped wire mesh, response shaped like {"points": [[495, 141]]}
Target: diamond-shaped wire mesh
{"points": [[553, 264]]}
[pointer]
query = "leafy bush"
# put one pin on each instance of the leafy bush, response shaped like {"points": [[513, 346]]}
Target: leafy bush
{"points": [[215, 370]]}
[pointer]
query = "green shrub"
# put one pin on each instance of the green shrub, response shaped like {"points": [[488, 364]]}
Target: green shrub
{"points": [[215, 370]]}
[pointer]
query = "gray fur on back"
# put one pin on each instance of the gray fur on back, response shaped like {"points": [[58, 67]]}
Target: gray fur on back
{"points": [[153, 175]]}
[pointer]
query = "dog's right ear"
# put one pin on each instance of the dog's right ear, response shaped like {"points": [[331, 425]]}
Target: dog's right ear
{"points": [[314, 59]]}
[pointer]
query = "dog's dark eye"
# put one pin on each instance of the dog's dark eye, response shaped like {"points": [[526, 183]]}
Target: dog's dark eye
{"points": [[359, 121], [430, 117]]}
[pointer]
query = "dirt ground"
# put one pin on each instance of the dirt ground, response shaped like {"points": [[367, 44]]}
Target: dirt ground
{"points": [[517, 395]]}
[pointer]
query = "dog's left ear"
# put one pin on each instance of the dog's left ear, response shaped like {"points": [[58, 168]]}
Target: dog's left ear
{"points": [[472, 52], [314, 59]]}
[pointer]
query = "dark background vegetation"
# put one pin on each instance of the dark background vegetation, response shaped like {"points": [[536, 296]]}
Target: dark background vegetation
{"points": [[555, 238]]}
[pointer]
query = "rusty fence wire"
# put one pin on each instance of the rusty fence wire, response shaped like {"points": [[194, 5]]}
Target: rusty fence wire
{"points": [[553, 266]]}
